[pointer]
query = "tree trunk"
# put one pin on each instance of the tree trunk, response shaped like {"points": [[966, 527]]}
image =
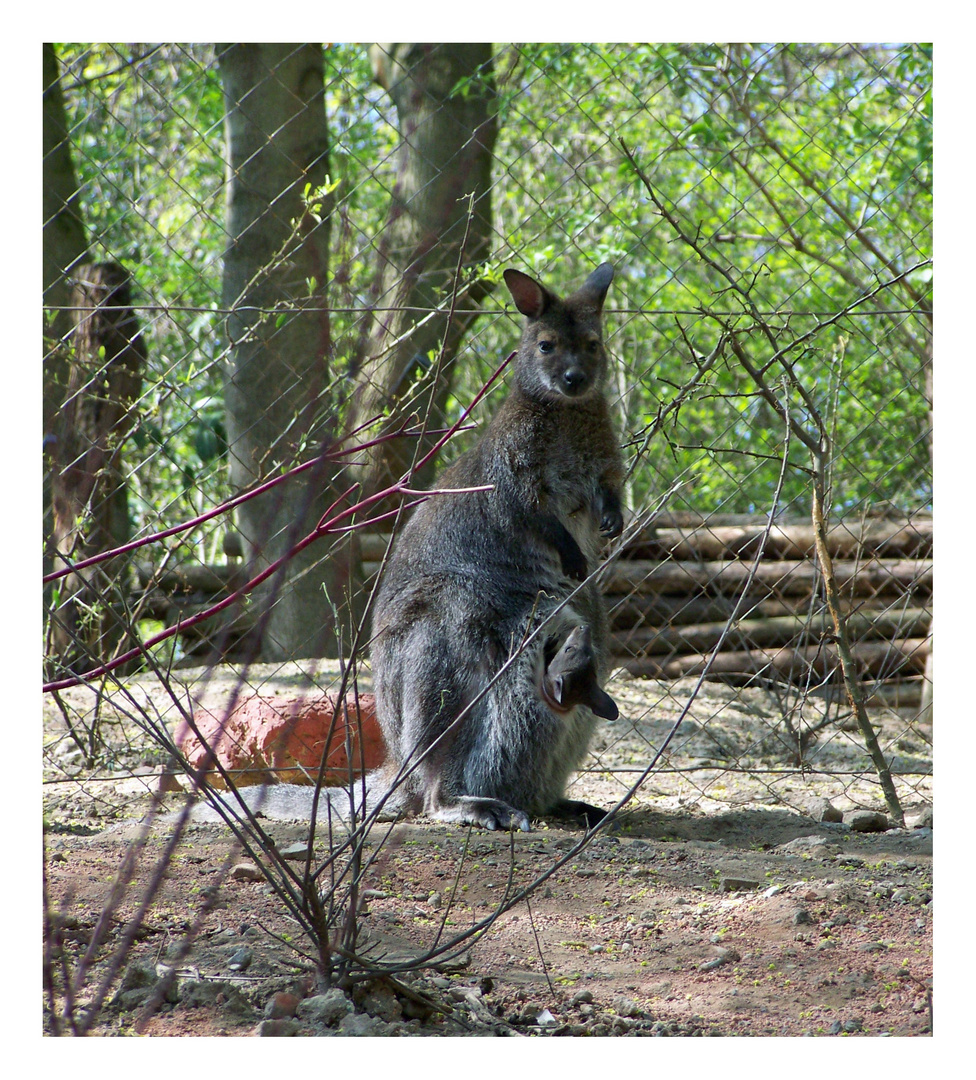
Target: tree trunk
{"points": [[64, 246], [64, 241], [274, 287], [440, 219], [87, 490]]}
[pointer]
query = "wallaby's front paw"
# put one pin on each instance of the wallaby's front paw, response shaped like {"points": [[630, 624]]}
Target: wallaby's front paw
{"points": [[612, 523], [574, 564]]}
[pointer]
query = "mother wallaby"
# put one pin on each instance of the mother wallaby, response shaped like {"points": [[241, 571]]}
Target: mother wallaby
{"points": [[472, 574]]}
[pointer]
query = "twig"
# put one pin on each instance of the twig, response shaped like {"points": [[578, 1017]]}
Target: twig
{"points": [[848, 669]]}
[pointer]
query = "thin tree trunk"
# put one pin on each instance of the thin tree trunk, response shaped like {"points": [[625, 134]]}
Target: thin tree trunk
{"points": [[440, 219], [275, 276], [65, 244], [88, 493]]}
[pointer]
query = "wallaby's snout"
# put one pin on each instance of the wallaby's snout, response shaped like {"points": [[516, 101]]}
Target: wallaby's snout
{"points": [[575, 380]]}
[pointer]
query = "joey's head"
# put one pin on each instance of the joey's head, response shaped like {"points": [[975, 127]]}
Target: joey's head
{"points": [[561, 356], [570, 677]]}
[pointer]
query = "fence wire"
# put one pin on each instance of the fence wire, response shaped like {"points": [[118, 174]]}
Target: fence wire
{"points": [[256, 253]]}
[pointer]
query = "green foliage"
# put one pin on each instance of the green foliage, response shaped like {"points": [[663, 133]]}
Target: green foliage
{"points": [[146, 125], [806, 169]]}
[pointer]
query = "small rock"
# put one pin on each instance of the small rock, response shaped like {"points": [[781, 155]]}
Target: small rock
{"points": [[282, 1006], [816, 846], [138, 976], [246, 871], [725, 956], [277, 1028], [848, 860], [872, 947], [801, 917], [241, 960], [626, 1007], [734, 884], [596, 949], [434, 900], [866, 821], [380, 1001], [295, 852], [835, 1028], [328, 1008], [924, 819], [824, 810], [205, 993], [582, 997], [357, 1025]]}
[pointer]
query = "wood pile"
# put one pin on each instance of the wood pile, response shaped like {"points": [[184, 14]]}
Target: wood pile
{"points": [[674, 587]]}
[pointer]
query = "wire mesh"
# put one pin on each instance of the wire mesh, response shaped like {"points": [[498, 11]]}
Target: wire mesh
{"points": [[302, 274]]}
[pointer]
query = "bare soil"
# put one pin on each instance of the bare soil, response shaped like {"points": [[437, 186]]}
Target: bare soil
{"points": [[716, 904]]}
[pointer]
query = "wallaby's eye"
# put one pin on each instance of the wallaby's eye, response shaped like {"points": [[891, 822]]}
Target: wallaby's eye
{"points": [[546, 346]]}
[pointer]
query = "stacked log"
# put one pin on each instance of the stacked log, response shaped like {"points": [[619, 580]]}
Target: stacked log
{"points": [[674, 588]]}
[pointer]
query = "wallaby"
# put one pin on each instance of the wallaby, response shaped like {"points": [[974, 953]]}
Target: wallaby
{"points": [[462, 708], [480, 727]]}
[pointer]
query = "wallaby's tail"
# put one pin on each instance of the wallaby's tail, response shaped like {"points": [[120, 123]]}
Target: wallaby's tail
{"points": [[294, 802]]}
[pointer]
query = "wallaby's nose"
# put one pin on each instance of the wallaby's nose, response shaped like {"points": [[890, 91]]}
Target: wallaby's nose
{"points": [[574, 379]]}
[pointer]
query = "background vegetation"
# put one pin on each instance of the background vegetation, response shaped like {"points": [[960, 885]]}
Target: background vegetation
{"points": [[804, 169]]}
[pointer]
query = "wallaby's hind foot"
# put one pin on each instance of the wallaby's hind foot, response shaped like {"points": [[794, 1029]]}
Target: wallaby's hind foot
{"points": [[583, 812], [486, 813]]}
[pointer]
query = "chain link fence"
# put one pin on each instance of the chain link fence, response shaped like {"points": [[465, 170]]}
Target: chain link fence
{"points": [[273, 279]]}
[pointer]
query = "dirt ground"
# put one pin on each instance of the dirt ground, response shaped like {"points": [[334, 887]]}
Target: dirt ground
{"points": [[716, 904]]}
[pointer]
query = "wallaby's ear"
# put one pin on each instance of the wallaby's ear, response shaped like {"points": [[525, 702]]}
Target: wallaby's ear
{"points": [[603, 704], [559, 690], [529, 296], [594, 289]]}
